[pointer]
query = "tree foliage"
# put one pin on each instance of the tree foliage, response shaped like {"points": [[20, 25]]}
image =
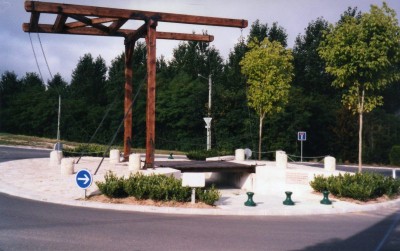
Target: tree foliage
{"points": [[94, 100], [269, 71], [362, 54]]}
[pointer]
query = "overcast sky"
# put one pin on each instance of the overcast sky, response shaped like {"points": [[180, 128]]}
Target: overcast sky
{"points": [[63, 51]]}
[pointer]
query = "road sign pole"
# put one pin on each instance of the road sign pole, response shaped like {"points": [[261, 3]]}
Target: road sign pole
{"points": [[301, 136], [301, 151]]}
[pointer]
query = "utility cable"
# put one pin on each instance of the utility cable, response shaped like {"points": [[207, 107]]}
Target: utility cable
{"points": [[44, 55], [120, 125], [34, 54], [99, 126]]}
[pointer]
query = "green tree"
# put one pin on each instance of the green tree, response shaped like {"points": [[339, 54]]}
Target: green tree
{"points": [[269, 71], [322, 100], [9, 87], [261, 31], [362, 53]]}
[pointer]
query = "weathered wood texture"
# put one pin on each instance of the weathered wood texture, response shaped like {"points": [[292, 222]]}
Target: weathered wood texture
{"points": [[129, 48], [101, 21], [151, 93], [48, 28], [70, 9]]}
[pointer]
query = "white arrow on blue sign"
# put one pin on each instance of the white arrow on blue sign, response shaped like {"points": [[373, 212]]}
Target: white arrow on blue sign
{"points": [[83, 179], [302, 136]]}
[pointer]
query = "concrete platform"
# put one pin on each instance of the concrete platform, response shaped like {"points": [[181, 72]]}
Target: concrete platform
{"points": [[38, 180]]}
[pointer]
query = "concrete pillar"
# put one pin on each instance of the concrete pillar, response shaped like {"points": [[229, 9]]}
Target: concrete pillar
{"points": [[55, 158], [134, 162], [67, 166], [329, 164], [239, 154], [114, 156], [281, 159]]}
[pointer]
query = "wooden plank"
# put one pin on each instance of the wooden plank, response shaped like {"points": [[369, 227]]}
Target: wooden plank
{"points": [[183, 36], [57, 8], [129, 48], [151, 93], [46, 28], [99, 20], [135, 35], [34, 23], [89, 22], [60, 22], [116, 25]]}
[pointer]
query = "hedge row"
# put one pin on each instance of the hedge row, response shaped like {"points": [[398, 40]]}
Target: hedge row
{"points": [[359, 186], [86, 150], [154, 187], [203, 154]]}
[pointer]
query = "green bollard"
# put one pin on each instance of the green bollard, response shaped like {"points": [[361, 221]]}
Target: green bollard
{"points": [[288, 201], [170, 156], [325, 200], [250, 202]]}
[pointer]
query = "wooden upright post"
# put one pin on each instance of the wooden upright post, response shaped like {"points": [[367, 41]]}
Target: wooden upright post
{"points": [[129, 47], [101, 21], [151, 93]]}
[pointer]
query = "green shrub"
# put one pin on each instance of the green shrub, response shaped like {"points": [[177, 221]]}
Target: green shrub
{"points": [[209, 196], [319, 183], [113, 186], [394, 156], [86, 150], [360, 186], [203, 154], [155, 187]]}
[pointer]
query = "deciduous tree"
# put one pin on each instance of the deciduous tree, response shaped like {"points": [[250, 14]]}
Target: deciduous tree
{"points": [[269, 71], [361, 52]]}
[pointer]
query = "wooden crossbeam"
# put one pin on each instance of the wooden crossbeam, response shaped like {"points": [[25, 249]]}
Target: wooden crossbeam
{"points": [[91, 21], [60, 22], [33, 25], [47, 28], [99, 20], [88, 22], [70, 9], [135, 35], [116, 25]]}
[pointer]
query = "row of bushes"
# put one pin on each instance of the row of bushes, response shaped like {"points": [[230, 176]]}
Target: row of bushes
{"points": [[154, 187], [86, 150], [359, 186], [203, 154]]}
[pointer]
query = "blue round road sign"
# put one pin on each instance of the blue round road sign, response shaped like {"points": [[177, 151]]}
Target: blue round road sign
{"points": [[83, 179]]}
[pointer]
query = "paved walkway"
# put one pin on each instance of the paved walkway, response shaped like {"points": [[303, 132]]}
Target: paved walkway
{"points": [[36, 179]]}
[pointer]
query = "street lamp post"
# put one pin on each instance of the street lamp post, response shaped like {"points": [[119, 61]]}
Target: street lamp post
{"points": [[208, 119]]}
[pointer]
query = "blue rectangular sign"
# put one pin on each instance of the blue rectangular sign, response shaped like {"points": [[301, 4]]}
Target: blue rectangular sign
{"points": [[301, 136]]}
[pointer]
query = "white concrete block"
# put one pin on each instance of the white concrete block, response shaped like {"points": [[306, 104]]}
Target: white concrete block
{"points": [[246, 181], [281, 159], [239, 154], [114, 156], [55, 158], [329, 164], [67, 166], [135, 163], [165, 171]]}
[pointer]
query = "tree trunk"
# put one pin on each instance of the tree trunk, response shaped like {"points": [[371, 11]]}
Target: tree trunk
{"points": [[260, 137], [361, 111]]}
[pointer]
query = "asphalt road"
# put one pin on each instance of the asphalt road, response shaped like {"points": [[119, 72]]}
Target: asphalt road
{"points": [[33, 225], [15, 153]]}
